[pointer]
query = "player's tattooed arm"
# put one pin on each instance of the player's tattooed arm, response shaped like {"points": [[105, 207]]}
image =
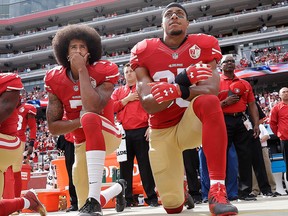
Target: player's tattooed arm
{"points": [[54, 115]]}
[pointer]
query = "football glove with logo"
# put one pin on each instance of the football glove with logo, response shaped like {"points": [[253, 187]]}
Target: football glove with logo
{"points": [[163, 91], [194, 74]]}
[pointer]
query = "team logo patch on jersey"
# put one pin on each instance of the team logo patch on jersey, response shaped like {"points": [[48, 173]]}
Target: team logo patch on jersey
{"points": [[195, 52], [237, 90], [93, 82]]}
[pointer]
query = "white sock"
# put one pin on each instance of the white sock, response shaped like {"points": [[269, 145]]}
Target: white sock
{"points": [[26, 203], [95, 165], [212, 182], [111, 192]]}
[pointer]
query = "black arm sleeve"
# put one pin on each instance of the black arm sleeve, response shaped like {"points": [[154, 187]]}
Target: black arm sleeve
{"points": [[182, 79]]}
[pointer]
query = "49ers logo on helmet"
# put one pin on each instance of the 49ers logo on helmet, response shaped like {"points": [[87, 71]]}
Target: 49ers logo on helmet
{"points": [[195, 52]]}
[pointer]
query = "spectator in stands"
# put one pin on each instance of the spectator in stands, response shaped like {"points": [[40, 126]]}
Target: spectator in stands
{"points": [[235, 94], [80, 90], [134, 120], [48, 157], [279, 123], [34, 159]]}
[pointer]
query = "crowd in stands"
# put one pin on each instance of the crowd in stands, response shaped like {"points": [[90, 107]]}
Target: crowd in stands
{"points": [[266, 56], [266, 101], [261, 56]]}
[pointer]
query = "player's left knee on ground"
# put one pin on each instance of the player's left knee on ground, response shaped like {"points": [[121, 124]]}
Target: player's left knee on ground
{"points": [[174, 210], [171, 203]]}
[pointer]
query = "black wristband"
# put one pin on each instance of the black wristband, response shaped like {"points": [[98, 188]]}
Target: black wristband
{"points": [[185, 91], [182, 79]]}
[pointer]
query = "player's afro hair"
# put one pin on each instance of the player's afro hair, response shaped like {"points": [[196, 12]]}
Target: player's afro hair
{"points": [[60, 42]]}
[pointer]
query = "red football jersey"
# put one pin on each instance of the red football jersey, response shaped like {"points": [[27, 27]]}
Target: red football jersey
{"points": [[224, 92], [23, 110], [164, 64], [10, 82], [58, 83]]}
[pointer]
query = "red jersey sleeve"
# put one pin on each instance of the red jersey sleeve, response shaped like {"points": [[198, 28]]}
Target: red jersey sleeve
{"points": [[117, 104], [274, 119], [69, 137], [31, 109], [206, 48], [107, 69], [250, 96], [9, 82], [32, 121], [33, 127], [135, 52], [49, 78]]}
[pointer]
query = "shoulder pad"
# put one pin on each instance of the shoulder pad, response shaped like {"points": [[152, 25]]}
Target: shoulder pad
{"points": [[138, 51], [108, 69], [139, 47], [205, 48], [10, 81], [53, 72], [49, 76], [31, 108], [205, 41]]}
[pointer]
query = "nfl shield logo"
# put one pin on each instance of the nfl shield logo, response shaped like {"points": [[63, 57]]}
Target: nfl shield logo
{"points": [[75, 88], [175, 55], [195, 52]]}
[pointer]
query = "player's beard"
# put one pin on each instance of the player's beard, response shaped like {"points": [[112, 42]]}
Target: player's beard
{"points": [[176, 32]]}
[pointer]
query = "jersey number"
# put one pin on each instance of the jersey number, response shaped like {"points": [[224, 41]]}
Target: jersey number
{"points": [[75, 103], [168, 76], [20, 122]]}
